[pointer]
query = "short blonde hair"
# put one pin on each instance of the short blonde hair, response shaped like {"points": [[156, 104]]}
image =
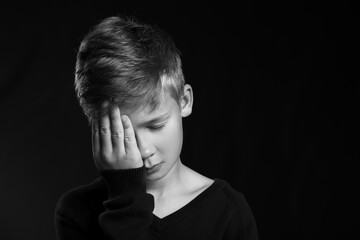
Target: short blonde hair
{"points": [[127, 63]]}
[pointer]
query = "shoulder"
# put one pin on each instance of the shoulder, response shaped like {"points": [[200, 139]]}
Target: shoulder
{"points": [[218, 192], [240, 215], [232, 200], [196, 183], [83, 199], [233, 197], [229, 192], [213, 188]]}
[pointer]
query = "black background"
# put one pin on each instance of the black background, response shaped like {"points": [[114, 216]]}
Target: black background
{"points": [[276, 87]]}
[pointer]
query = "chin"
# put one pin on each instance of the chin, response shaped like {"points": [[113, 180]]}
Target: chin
{"points": [[154, 177], [163, 172], [158, 175]]}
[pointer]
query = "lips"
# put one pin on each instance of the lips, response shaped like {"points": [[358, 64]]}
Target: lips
{"points": [[152, 167]]}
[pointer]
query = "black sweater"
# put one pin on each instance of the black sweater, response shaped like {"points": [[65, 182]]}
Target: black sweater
{"points": [[116, 206]]}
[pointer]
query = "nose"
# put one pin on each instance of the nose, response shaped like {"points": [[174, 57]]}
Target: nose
{"points": [[145, 147]]}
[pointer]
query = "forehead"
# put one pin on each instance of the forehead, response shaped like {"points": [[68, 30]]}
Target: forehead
{"points": [[144, 113]]}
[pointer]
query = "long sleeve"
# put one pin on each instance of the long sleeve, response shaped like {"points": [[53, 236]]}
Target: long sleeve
{"points": [[128, 211], [120, 211]]}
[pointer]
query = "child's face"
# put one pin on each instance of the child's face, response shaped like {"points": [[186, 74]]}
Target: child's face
{"points": [[159, 134]]}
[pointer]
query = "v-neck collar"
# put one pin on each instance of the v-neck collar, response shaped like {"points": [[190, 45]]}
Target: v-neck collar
{"points": [[159, 224]]}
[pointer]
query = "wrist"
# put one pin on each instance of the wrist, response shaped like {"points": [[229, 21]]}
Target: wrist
{"points": [[123, 181]]}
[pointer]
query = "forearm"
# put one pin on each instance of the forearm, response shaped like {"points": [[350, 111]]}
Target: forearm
{"points": [[117, 206], [128, 211]]}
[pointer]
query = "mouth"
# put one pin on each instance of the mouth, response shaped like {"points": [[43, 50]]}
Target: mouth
{"points": [[153, 168]]}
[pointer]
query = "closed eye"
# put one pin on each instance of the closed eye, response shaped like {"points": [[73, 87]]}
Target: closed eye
{"points": [[156, 128]]}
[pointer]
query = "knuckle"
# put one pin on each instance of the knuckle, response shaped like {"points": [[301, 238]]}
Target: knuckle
{"points": [[104, 130], [128, 138], [117, 135], [95, 132]]}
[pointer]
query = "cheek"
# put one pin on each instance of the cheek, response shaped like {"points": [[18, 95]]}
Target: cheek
{"points": [[171, 140]]}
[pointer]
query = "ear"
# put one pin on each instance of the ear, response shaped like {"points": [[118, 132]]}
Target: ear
{"points": [[187, 101]]}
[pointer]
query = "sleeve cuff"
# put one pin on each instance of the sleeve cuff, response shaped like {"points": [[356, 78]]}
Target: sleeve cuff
{"points": [[123, 181]]}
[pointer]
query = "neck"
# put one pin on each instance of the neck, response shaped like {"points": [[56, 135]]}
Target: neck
{"points": [[166, 185]]}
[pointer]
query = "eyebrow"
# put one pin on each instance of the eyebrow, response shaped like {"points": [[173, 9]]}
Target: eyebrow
{"points": [[160, 118]]}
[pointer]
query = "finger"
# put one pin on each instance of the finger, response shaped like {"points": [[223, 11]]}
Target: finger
{"points": [[95, 138], [129, 135], [117, 131], [105, 134]]}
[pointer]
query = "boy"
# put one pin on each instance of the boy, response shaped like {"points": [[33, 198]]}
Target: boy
{"points": [[130, 85]]}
